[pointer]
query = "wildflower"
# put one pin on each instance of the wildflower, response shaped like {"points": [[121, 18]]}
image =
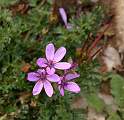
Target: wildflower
{"points": [[42, 79], [66, 83], [64, 18], [53, 59]]}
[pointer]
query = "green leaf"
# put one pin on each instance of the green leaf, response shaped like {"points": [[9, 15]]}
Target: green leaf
{"points": [[114, 116], [117, 89], [95, 102], [33, 3], [7, 2]]}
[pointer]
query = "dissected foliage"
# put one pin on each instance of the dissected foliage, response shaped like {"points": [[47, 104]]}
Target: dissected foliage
{"points": [[23, 37]]}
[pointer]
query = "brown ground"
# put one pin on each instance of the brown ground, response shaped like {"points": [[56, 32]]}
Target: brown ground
{"points": [[116, 7], [119, 19]]}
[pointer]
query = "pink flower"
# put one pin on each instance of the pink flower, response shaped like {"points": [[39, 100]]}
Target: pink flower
{"points": [[64, 18], [46, 74], [66, 84], [52, 60], [42, 79]]}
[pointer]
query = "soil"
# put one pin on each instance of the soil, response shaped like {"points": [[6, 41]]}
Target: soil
{"points": [[116, 7]]}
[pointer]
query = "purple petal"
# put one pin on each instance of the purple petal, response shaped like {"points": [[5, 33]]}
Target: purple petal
{"points": [[60, 81], [50, 50], [62, 65], [41, 72], [32, 76], [72, 86], [50, 71], [41, 62], [53, 78], [59, 54], [37, 88], [48, 88], [63, 15], [61, 90], [71, 76]]}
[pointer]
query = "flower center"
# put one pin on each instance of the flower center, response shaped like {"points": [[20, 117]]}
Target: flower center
{"points": [[63, 83], [50, 64], [42, 76]]}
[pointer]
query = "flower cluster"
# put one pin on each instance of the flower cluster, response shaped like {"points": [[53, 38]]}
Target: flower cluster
{"points": [[47, 73]]}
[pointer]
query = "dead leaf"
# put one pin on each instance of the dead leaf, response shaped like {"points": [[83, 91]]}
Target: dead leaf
{"points": [[105, 87], [93, 115], [45, 31], [103, 68], [79, 103], [78, 51], [110, 32], [53, 18], [22, 7], [111, 58], [109, 100], [3, 117], [25, 68], [24, 96], [33, 104]]}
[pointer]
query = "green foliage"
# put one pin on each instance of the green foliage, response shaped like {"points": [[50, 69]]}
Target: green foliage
{"points": [[114, 116], [117, 89], [82, 27], [90, 77], [7, 2], [95, 102], [22, 40]]}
